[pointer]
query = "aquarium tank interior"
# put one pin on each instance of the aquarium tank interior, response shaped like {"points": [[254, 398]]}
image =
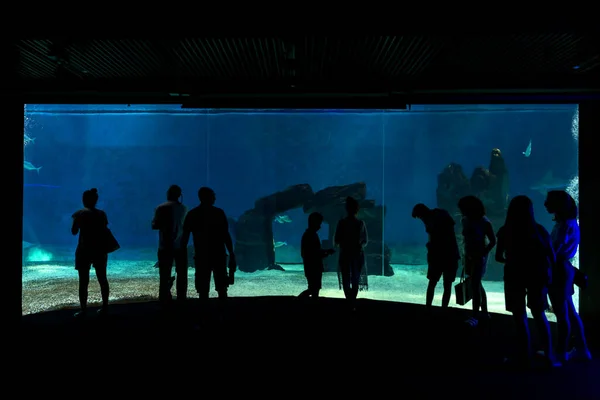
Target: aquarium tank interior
{"points": [[280, 165]]}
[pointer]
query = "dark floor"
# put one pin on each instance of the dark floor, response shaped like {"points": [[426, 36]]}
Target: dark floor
{"points": [[281, 346]]}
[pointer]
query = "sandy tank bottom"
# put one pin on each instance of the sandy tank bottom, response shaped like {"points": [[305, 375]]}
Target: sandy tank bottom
{"points": [[49, 286]]}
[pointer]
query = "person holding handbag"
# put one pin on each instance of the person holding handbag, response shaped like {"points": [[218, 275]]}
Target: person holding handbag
{"points": [[92, 226], [565, 241], [525, 249]]}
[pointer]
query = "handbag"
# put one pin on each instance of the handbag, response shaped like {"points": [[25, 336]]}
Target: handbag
{"points": [[110, 242], [580, 278], [463, 290]]}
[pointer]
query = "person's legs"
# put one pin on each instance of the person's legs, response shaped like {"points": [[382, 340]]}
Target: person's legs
{"points": [[430, 293], [434, 274], [83, 265], [314, 283], [346, 284], [84, 281], [543, 328], [514, 297], [307, 270], [563, 326], [355, 272], [476, 290], [537, 301], [484, 303], [449, 277], [447, 293], [581, 350], [181, 268], [221, 283], [202, 276], [435, 271], [165, 266], [523, 336], [100, 265]]}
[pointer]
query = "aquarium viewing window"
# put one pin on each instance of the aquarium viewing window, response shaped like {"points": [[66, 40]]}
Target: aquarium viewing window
{"points": [[281, 165]]}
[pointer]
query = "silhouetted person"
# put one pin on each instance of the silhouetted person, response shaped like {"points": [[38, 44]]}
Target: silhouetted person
{"points": [[91, 224], [313, 255], [565, 241], [476, 228], [352, 237], [208, 224], [442, 251], [525, 248], [168, 220]]}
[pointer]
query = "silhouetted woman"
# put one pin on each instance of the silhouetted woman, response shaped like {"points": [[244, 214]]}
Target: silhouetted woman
{"points": [[476, 228], [351, 237], [565, 240], [91, 224], [525, 248]]}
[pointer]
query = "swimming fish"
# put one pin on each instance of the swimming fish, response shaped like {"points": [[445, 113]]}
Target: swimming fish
{"points": [[282, 219], [279, 244], [549, 182], [527, 151], [28, 140], [30, 167]]}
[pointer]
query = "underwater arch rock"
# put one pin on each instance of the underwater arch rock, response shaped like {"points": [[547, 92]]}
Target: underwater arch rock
{"points": [[254, 246]]}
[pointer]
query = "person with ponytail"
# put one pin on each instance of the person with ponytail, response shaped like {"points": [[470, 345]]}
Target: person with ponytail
{"points": [[91, 224]]}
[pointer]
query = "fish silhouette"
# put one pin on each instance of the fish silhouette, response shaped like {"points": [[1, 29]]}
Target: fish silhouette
{"points": [[527, 151], [30, 167]]}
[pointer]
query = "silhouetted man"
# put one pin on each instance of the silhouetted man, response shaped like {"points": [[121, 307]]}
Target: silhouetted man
{"points": [[442, 250], [210, 229], [168, 220], [313, 255]]}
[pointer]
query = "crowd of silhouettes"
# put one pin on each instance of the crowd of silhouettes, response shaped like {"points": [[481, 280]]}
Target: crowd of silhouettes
{"points": [[537, 268], [537, 264]]}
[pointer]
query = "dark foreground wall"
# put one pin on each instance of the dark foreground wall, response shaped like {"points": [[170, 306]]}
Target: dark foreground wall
{"points": [[11, 115]]}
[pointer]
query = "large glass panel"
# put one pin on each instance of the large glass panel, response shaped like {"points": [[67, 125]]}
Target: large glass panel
{"points": [[436, 154], [269, 169]]}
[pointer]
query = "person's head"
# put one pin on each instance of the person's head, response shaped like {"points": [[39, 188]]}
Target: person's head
{"points": [[420, 211], [561, 204], [207, 196], [173, 193], [471, 207], [352, 206], [520, 213], [90, 198], [315, 220]]}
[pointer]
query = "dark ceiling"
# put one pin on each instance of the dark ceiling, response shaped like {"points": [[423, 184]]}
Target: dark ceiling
{"points": [[309, 68]]}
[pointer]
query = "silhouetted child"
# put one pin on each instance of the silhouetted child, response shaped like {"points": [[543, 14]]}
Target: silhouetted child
{"points": [[313, 255]]}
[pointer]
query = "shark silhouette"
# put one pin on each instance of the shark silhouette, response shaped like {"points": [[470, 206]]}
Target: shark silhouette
{"points": [[550, 182]]}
